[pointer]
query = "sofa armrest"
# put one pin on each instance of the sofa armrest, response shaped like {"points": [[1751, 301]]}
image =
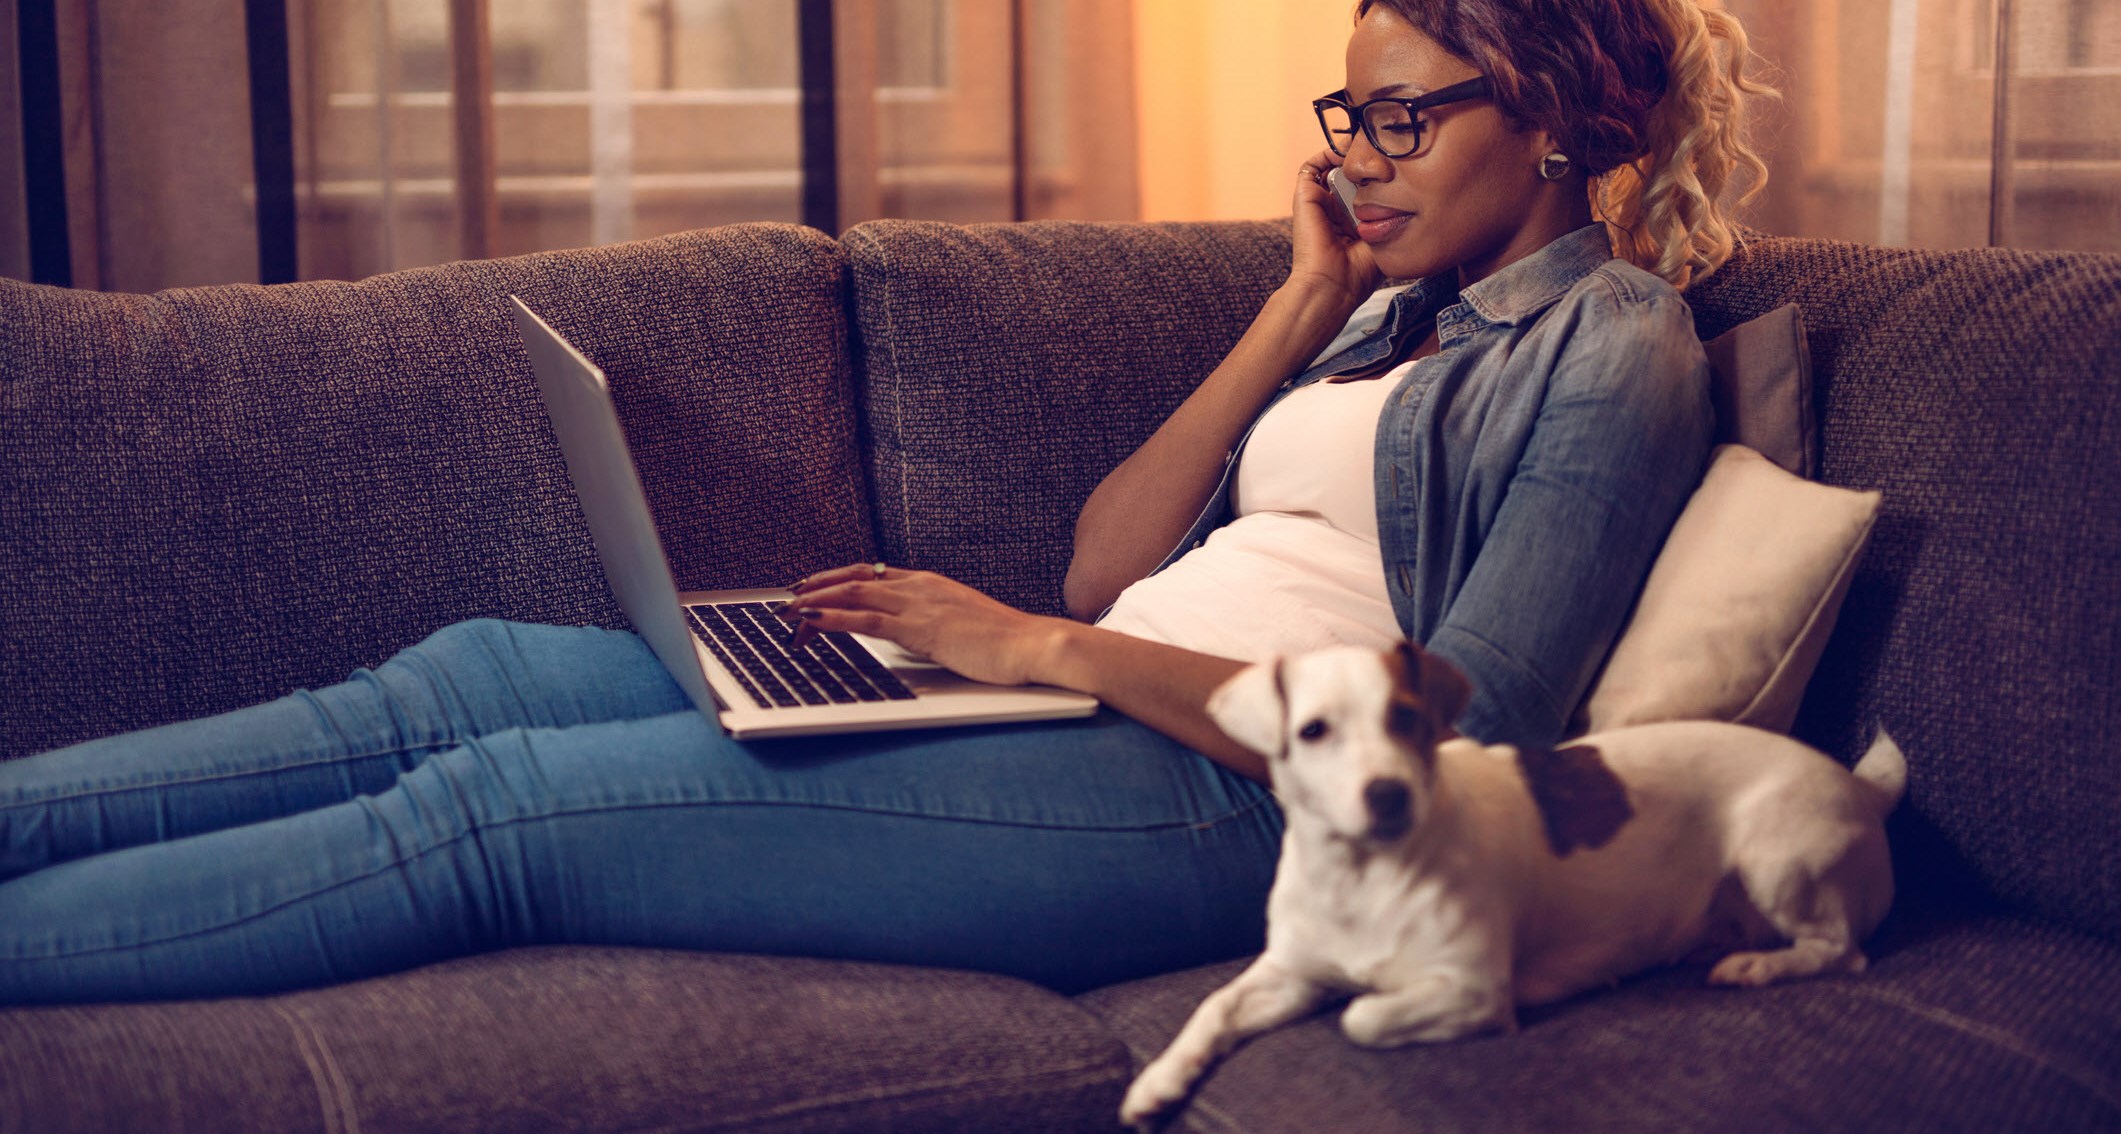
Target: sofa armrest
{"points": [[210, 496]]}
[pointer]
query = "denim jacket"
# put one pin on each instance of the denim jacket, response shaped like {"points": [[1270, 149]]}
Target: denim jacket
{"points": [[1527, 473]]}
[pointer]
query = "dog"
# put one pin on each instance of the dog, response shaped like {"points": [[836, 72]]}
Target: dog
{"points": [[1442, 884]]}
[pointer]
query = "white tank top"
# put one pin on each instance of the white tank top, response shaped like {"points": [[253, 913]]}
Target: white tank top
{"points": [[1299, 567]]}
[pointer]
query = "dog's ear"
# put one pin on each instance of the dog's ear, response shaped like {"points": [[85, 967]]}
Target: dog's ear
{"points": [[1445, 690], [1252, 710]]}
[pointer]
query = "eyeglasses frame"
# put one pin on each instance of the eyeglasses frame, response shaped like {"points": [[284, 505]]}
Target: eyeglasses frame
{"points": [[1476, 87]]}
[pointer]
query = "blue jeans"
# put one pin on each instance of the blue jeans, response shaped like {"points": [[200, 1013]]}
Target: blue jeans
{"points": [[504, 784]]}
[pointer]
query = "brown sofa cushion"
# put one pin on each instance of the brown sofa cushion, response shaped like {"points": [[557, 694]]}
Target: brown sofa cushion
{"points": [[211, 496], [1994, 1025], [1007, 368], [577, 1039]]}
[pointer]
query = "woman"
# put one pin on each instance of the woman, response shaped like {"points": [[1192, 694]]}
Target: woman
{"points": [[1542, 416]]}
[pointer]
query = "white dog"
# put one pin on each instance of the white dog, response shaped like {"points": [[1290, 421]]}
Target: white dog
{"points": [[1442, 883]]}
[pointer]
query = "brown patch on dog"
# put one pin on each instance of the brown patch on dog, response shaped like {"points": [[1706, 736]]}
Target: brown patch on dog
{"points": [[1408, 716], [1581, 802], [1408, 719], [1444, 691]]}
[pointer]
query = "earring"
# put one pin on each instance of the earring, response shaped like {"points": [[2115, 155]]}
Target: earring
{"points": [[1554, 166]]}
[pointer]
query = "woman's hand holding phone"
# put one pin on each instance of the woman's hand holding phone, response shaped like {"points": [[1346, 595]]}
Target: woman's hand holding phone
{"points": [[1327, 247]]}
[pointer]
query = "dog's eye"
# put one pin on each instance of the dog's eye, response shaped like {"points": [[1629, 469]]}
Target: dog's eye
{"points": [[1314, 730]]}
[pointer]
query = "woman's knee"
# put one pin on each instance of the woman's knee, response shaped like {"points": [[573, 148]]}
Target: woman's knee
{"points": [[524, 647], [540, 675]]}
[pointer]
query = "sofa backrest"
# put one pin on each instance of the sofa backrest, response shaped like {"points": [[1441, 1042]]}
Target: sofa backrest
{"points": [[1006, 368], [1980, 391], [211, 496]]}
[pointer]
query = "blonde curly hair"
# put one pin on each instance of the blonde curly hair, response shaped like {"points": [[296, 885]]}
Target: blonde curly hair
{"points": [[1646, 96]]}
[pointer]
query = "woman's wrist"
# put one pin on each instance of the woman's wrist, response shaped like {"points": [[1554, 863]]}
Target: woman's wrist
{"points": [[1057, 657], [1310, 310], [1163, 687]]}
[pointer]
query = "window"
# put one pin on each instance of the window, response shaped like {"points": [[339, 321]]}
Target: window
{"points": [[1898, 128], [614, 119]]}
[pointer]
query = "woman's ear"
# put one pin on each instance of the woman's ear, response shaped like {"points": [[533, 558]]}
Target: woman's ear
{"points": [[1539, 145]]}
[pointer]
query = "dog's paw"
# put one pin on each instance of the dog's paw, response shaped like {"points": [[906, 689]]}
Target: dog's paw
{"points": [[1437, 1010], [1804, 959], [1155, 1093], [1744, 970]]}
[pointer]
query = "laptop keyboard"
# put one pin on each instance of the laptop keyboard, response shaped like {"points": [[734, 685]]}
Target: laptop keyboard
{"points": [[752, 644]]}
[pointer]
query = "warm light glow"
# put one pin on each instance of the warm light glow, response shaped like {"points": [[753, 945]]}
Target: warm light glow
{"points": [[1224, 89]]}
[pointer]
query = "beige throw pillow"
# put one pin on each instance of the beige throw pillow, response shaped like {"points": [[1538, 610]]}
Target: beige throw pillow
{"points": [[1739, 603]]}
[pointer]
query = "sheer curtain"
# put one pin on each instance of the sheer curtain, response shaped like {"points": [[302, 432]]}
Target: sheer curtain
{"points": [[1888, 134], [1943, 123], [135, 144], [428, 130]]}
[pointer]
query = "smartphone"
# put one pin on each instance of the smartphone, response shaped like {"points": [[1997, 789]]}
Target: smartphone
{"points": [[1344, 198]]}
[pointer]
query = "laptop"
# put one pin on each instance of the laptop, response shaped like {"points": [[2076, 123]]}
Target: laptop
{"points": [[725, 648]]}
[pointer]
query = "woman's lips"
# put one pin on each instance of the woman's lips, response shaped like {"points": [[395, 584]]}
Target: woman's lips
{"points": [[1376, 223]]}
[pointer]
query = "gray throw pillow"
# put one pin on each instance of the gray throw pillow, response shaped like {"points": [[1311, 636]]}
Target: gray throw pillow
{"points": [[1761, 385]]}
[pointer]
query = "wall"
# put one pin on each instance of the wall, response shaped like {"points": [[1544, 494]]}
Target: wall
{"points": [[1224, 90]]}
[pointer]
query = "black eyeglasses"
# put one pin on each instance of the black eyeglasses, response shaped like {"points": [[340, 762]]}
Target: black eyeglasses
{"points": [[1393, 125]]}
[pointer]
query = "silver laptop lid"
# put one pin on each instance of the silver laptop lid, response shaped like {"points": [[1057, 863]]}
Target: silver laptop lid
{"points": [[578, 399]]}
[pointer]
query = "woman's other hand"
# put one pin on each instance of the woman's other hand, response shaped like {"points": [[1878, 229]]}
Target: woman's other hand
{"points": [[1324, 253], [931, 615]]}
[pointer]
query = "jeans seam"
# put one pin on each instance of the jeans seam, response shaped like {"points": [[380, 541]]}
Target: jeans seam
{"points": [[476, 831], [209, 777]]}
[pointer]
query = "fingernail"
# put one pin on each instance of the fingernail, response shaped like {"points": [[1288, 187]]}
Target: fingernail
{"points": [[807, 612]]}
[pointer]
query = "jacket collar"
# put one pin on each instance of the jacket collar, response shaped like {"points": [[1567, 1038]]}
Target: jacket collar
{"points": [[1516, 292], [1522, 289]]}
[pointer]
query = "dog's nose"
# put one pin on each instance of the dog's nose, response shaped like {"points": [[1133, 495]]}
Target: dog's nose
{"points": [[1389, 802]]}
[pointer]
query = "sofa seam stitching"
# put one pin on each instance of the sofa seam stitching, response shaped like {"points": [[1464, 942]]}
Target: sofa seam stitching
{"points": [[334, 1096], [1082, 1076], [898, 395], [1992, 1035]]}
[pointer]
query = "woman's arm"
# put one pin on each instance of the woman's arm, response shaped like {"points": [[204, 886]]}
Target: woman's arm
{"points": [[1161, 686], [1617, 448], [1142, 508]]}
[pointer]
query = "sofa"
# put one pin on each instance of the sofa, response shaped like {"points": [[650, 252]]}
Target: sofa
{"points": [[210, 496]]}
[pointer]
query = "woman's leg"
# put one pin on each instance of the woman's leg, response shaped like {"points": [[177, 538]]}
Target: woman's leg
{"points": [[1073, 854], [316, 748]]}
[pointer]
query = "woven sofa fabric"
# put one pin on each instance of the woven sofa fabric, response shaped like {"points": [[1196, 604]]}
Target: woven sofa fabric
{"points": [[1007, 368], [1999, 1025], [578, 1039], [1980, 391], [211, 496]]}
